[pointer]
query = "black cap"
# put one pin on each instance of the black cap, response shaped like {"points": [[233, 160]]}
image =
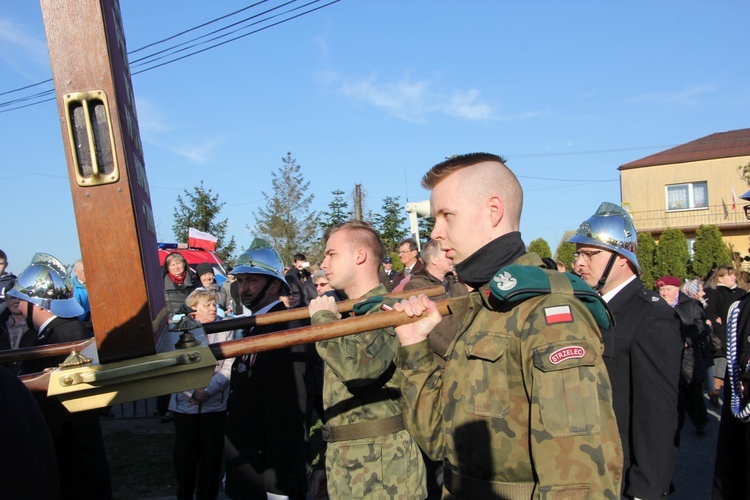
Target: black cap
{"points": [[204, 268], [387, 260]]}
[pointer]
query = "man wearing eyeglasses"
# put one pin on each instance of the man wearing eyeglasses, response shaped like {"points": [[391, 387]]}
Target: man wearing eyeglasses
{"points": [[642, 353]]}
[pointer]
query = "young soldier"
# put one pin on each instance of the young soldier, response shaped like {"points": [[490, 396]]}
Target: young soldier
{"points": [[524, 406], [369, 454]]}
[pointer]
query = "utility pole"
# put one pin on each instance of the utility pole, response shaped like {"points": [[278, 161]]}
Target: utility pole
{"points": [[358, 201]]}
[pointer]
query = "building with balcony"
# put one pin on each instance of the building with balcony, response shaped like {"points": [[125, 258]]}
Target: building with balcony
{"points": [[689, 185]]}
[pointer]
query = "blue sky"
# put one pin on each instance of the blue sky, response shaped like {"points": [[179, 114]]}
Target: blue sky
{"points": [[376, 92]]}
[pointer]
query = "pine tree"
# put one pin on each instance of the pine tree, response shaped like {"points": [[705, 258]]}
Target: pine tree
{"points": [[672, 254], [564, 254], [339, 211], [286, 221], [198, 210], [540, 247], [647, 259], [709, 250], [426, 225], [391, 224]]}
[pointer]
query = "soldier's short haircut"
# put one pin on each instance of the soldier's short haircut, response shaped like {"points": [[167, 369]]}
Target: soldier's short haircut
{"points": [[454, 163], [498, 179], [361, 234], [430, 250]]}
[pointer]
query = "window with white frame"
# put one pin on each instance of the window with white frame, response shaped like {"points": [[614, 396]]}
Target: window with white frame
{"points": [[688, 196], [691, 247]]}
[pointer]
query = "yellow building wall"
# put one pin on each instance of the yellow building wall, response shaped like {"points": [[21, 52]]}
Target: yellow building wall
{"points": [[644, 195]]}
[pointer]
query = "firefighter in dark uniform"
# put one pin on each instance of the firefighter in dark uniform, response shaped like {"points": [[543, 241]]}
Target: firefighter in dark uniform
{"points": [[46, 294]]}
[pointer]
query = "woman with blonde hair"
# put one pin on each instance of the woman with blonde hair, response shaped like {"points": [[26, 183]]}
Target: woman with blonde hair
{"points": [[199, 415]]}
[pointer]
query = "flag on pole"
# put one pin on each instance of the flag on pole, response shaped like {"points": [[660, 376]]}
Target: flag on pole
{"points": [[734, 199], [726, 210], [199, 239]]}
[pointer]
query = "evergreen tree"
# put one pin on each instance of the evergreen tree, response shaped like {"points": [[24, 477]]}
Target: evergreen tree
{"points": [[540, 247], [564, 254], [425, 224], [672, 254], [709, 250], [338, 211], [647, 259], [286, 221], [390, 224], [199, 209]]}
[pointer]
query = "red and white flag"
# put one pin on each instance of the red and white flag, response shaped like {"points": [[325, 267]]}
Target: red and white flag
{"points": [[734, 199], [199, 239]]}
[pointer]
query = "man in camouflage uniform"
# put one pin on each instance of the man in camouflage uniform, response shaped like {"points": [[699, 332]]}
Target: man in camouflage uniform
{"points": [[369, 453], [524, 406]]}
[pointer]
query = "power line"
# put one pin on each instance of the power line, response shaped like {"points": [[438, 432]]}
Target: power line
{"points": [[196, 27], [144, 60], [237, 37], [13, 104]]}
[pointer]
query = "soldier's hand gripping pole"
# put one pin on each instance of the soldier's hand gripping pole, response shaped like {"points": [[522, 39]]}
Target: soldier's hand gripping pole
{"points": [[315, 333], [344, 306]]}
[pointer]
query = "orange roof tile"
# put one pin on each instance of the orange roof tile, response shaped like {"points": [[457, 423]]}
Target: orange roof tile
{"points": [[719, 145]]}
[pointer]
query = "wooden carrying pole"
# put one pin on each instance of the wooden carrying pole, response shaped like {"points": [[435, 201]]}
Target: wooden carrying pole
{"points": [[345, 306], [286, 338], [301, 313], [315, 333]]}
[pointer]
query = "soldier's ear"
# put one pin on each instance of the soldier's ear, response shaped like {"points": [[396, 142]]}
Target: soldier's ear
{"points": [[360, 255], [496, 207]]}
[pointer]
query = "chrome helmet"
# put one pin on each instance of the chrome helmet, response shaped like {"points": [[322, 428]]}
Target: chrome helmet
{"points": [[260, 258], [612, 228], [46, 283]]}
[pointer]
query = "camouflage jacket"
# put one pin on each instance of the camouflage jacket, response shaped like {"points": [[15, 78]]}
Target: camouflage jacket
{"points": [[525, 398], [360, 384]]}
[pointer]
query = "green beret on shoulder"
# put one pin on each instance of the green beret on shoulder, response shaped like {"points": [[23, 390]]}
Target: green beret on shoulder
{"points": [[516, 283]]}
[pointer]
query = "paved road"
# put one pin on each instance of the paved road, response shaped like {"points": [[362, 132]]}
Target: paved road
{"points": [[693, 476]]}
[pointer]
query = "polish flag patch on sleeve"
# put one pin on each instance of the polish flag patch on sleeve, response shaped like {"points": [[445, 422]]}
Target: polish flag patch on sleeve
{"points": [[558, 314]]}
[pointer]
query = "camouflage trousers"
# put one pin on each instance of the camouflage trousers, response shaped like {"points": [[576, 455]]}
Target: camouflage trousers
{"points": [[389, 466]]}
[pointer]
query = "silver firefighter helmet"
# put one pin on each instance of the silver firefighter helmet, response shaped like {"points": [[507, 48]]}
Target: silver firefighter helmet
{"points": [[46, 283], [612, 228]]}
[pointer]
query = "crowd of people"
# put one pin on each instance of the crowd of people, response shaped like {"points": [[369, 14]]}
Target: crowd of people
{"points": [[539, 383]]}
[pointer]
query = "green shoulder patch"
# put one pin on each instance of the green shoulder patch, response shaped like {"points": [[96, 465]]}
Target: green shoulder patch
{"points": [[516, 283]]}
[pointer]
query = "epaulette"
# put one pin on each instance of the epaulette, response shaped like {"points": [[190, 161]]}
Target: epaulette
{"points": [[516, 283], [650, 296]]}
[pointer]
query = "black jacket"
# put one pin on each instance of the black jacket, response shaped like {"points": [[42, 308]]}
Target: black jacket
{"points": [[175, 294], [266, 448], [27, 340], [718, 301], [82, 461], [731, 478], [694, 336], [643, 357]]}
